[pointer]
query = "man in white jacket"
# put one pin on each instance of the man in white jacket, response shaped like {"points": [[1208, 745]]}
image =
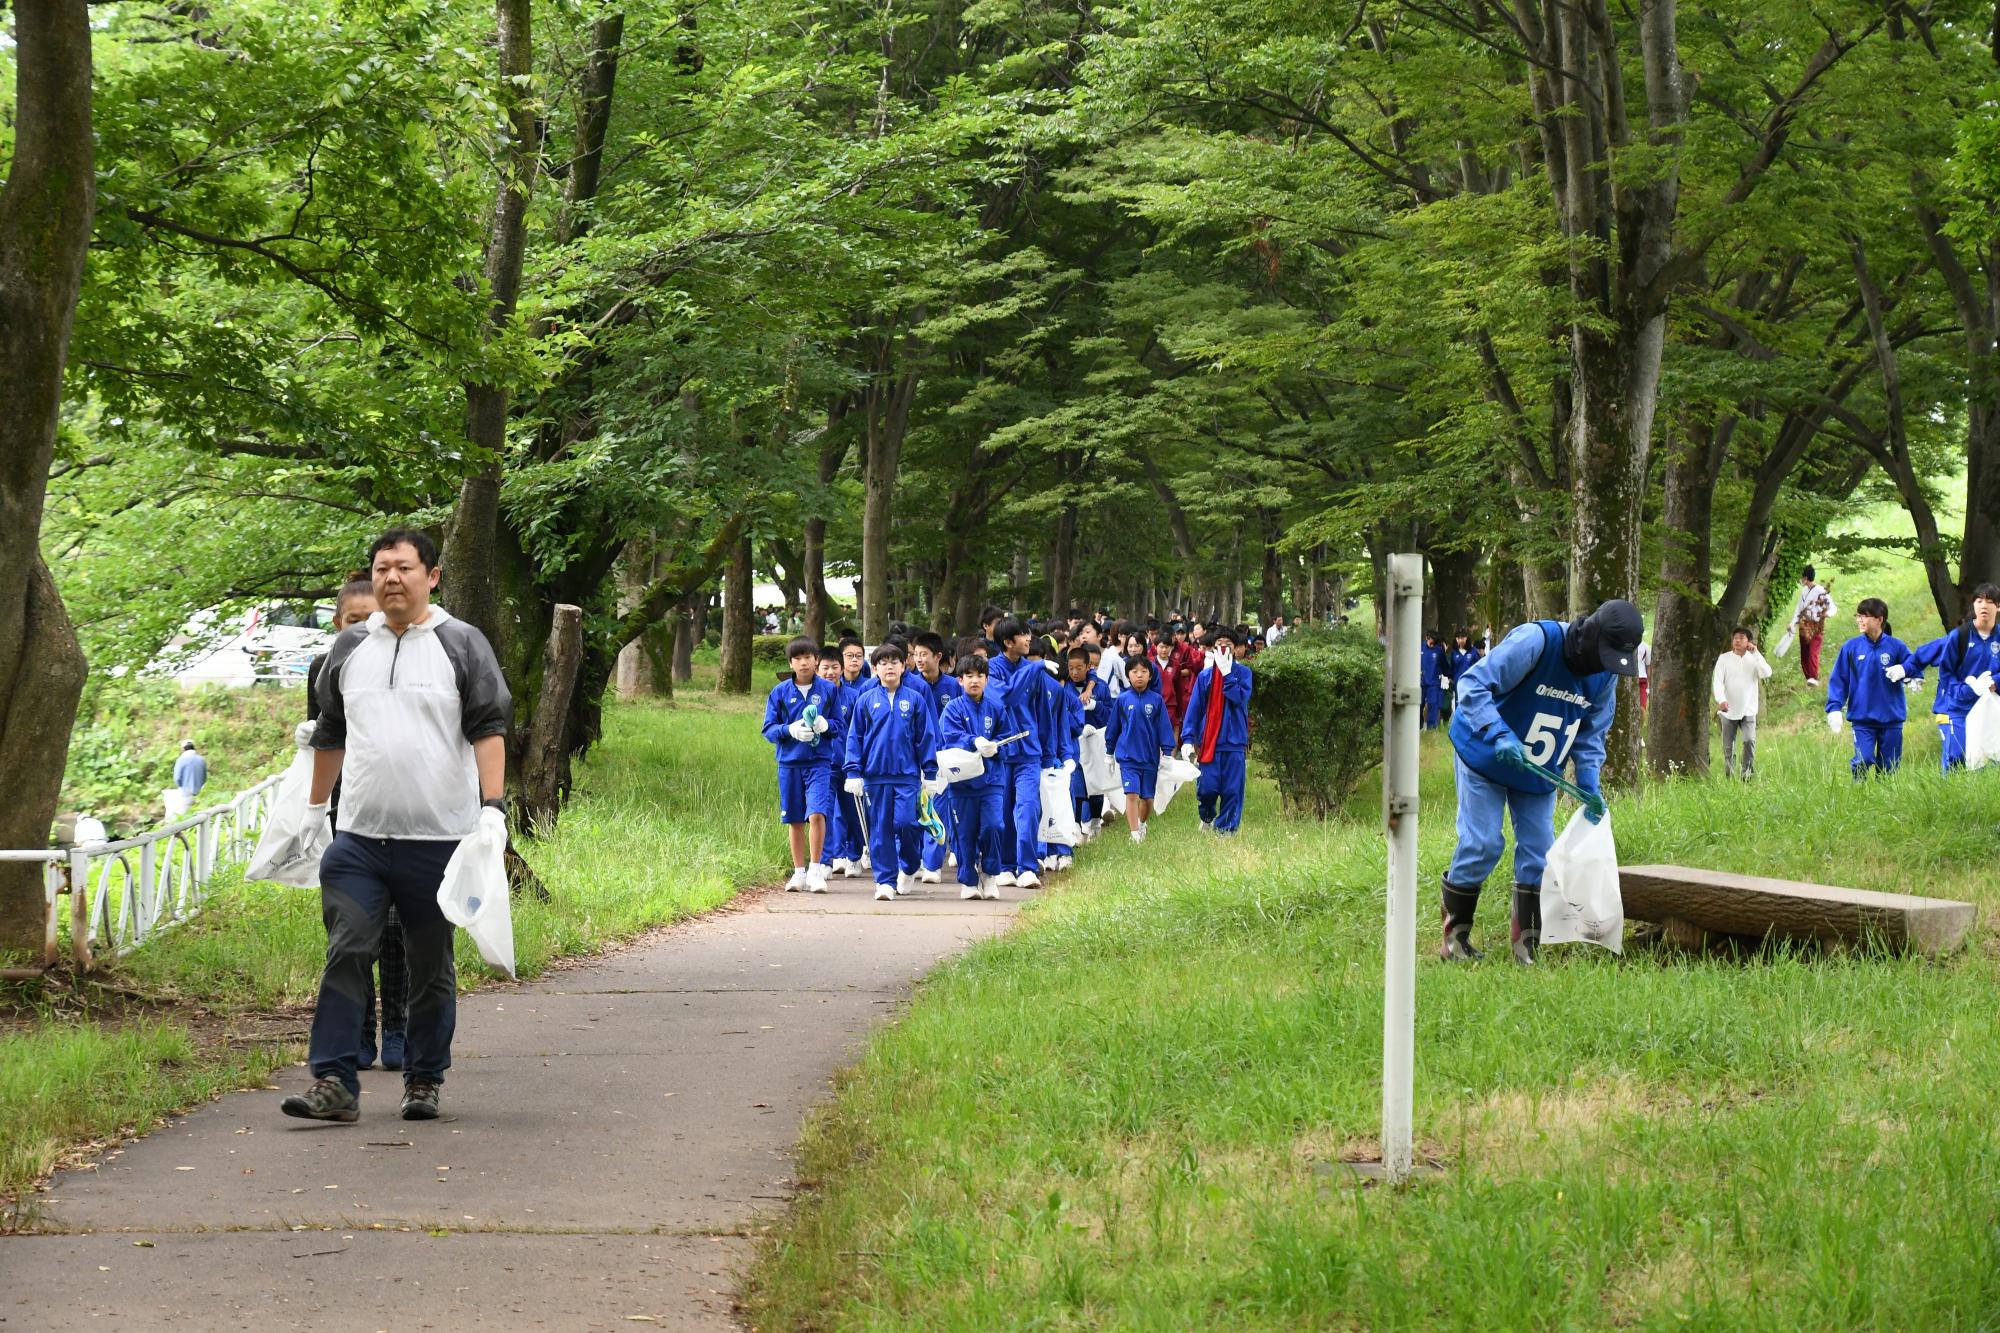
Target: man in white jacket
{"points": [[1738, 695], [413, 721]]}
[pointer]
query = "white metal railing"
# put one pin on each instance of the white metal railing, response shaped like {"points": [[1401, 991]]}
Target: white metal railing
{"points": [[122, 893]]}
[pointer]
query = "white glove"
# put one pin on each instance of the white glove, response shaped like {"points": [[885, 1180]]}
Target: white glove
{"points": [[1444, 682], [1896, 674], [317, 835], [800, 731], [1187, 753], [1069, 765], [302, 736], [1833, 722], [1051, 666], [986, 746], [1981, 683], [1224, 661], [819, 726], [493, 821], [1091, 731], [935, 786], [853, 786]]}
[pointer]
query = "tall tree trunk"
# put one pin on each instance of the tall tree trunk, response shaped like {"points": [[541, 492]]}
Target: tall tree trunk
{"points": [[1454, 587], [1271, 589], [45, 220], [1685, 634], [1978, 305], [471, 558], [1062, 558], [888, 420], [819, 606], [690, 623], [737, 589]]}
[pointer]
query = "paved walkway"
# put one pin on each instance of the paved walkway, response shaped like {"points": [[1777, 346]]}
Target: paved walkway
{"points": [[611, 1134]]}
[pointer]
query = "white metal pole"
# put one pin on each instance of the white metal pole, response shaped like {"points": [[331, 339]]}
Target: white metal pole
{"points": [[1402, 716]]}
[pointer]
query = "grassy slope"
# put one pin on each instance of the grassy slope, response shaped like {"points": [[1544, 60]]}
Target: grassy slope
{"points": [[1113, 1116], [671, 817]]}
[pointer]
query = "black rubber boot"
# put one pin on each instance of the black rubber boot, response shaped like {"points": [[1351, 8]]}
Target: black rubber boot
{"points": [[1457, 907], [1527, 922]]}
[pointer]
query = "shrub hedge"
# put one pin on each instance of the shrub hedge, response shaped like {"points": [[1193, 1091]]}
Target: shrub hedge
{"points": [[1318, 713]]}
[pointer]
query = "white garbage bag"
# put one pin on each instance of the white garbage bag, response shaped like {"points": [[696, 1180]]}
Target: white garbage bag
{"points": [[1785, 641], [1114, 800], [1059, 807], [289, 849], [1982, 732], [955, 765], [1175, 773], [473, 894], [1580, 899], [176, 802], [1100, 770]]}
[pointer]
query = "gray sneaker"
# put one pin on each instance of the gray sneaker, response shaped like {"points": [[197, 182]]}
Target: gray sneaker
{"points": [[327, 1099], [420, 1100]]}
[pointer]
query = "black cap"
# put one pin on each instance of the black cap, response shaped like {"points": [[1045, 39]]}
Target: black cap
{"points": [[1619, 630]]}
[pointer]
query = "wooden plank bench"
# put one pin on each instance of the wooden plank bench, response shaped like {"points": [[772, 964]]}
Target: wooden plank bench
{"points": [[1689, 902]]}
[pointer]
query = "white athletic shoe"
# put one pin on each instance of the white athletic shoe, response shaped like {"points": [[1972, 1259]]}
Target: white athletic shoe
{"points": [[866, 864], [842, 867], [884, 894], [1065, 862], [1027, 880], [906, 883], [1139, 834], [989, 887], [798, 880], [1005, 879], [816, 879], [966, 891], [951, 860], [931, 876]]}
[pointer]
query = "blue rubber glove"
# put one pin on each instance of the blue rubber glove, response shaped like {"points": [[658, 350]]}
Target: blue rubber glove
{"points": [[1508, 751], [1594, 807]]}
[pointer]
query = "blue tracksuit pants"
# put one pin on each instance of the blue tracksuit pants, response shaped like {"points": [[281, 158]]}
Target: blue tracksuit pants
{"points": [[1219, 791], [1481, 803], [1877, 745], [895, 838], [845, 831], [1024, 802], [946, 806], [1951, 735], [979, 830]]}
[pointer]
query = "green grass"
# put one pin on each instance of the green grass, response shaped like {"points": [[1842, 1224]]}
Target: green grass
{"points": [[671, 817], [1116, 1116]]}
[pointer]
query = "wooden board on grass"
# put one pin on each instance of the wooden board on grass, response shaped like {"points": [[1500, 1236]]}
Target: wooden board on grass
{"points": [[1720, 902]]}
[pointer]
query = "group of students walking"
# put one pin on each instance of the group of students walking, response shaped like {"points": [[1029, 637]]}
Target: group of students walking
{"points": [[859, 735]]}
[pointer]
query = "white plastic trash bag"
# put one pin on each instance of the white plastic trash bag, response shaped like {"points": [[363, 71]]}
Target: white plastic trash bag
{"points": [[1785, 641], [289, 849], [1580, 899], [1114, 800], [1059, 807], [1982, 732], [1174, 774], [956, 765], [474, 892], [1100, 770]]}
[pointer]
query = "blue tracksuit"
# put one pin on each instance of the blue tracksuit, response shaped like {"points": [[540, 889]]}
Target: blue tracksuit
{"points": [[846, 839], [805, 768], [979, 826], [1431, 666], [1523, 689], [1875, 705], [1020, 688], [1962, 652], [1071, 721], [1219, 789], [891, 740], [1096, 712], [1138, 733], [942, 691]]}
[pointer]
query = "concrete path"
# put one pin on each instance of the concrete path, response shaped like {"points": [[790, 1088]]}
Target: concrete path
{"points": [[611, 1134]]}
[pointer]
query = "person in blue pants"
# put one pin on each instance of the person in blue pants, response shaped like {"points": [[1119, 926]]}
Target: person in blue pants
{"points": [[890, 742], [1433, 666], [1968, 661], [927, 665], [841, 854], [1215, 733], [1866, 688], [1546, 696], [796, 721], [1015, 682], [972, 721]]}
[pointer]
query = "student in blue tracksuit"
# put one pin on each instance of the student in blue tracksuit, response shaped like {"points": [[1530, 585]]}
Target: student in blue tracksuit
{"points": [[1055, 713], [927, 657], [1079, 707], [973, 721], [1215, 733], [1017, 683], [1860, 688], [1461, 657], [798, 718], [1968, 661], [1138, 734], [891, 740], [1545, 695], [1433, 666], [1094, 698], [846, 841]]}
